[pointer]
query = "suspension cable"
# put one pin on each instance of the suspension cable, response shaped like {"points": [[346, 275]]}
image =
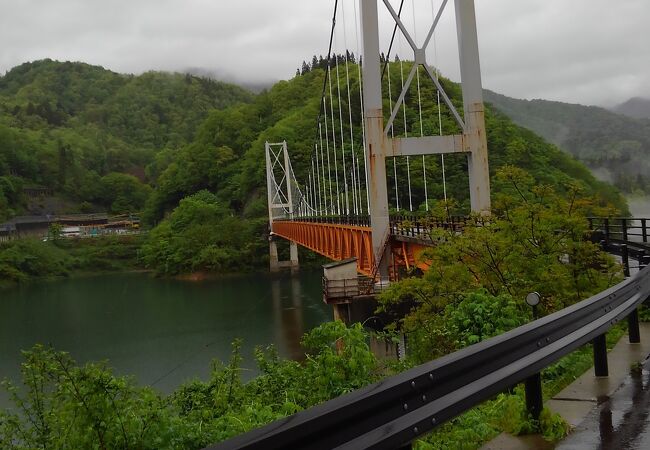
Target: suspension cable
{"points": [[320, 198], [345, 173], [322, 168], [392, 135], [336, 165], [355, 195], [323, 102], [329, 172], [417, 73], [363, 126], [392, 39], [435, 64], [406, 134]]}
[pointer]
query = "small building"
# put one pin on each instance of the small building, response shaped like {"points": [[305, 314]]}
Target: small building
{"points": [[340, 281], [70, 232]]}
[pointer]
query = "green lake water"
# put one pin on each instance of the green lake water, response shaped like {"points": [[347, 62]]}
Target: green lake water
{"points": [[163, 332]]}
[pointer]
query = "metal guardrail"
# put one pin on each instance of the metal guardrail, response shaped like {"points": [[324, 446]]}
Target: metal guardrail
{"points": [[392, 413]]}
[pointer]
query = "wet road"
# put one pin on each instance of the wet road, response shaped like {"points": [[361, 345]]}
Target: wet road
{"points": [[619, 422]]}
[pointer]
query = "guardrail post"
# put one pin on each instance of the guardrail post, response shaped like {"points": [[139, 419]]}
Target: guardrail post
{"points": [[600, 356], [644, 260], [534, 401], [633, 327], [626, 260], [624, 227], [644, 230], [606, 231]]}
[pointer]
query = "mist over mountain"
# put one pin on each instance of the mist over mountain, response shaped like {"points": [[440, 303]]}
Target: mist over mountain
{"points": [[226, 77], [636, 107], [612, 145]]}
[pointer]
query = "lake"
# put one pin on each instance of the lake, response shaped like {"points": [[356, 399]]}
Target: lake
{"points": [[163, 332]]}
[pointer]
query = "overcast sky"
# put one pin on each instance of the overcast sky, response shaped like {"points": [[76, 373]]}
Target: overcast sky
{"points": [[586, 51]]}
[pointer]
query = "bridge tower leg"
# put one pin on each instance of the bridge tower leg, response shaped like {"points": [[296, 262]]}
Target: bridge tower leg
{"points": [[470, 75], [376, 140]]}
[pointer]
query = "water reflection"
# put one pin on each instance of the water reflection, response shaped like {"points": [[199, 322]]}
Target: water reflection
{"points": [[162, 331]]}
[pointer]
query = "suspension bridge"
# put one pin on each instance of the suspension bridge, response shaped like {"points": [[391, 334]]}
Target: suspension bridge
{"points": [[380, 128], [339, 207]]}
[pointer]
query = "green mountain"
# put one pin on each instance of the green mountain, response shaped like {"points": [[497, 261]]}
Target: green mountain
{"points": [[88, 133], [226, 158], [190, 151], [614, 146]]}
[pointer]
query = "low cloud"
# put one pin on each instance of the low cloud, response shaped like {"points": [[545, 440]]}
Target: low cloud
{"points": [[587, 51]]}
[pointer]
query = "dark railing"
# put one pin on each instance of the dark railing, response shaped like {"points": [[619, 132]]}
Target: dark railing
{"points": [[422, 226], [400, 225], [621, 229], [623, 236], [392, 413]]}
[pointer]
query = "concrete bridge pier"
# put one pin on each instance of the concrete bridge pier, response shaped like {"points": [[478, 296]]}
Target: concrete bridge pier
{"points": [[274, 260], [353, 300]]}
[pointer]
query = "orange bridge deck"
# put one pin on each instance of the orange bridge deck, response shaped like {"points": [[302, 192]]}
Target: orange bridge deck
{"points": [[343, 241]]}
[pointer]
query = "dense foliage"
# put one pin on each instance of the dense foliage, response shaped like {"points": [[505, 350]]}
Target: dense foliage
{"points": [[63, 405], [288, 111], [105, 141], [613, 145], [201, 234], [535, 240], [227, 156], [68, 126], [26, 259]]}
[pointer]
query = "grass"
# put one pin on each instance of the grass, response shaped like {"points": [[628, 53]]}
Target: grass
{"points": [[507, 412]]}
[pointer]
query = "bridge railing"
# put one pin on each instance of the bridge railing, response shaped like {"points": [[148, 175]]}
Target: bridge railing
{"points": [[422, 226], [622, 229], [400, 224]]}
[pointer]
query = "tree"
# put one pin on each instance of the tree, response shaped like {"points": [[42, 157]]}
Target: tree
{"points": [[535, 240]]}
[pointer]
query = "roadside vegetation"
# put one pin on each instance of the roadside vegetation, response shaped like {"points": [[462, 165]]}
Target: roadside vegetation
{"points": [[535, 240], [119, 143]]}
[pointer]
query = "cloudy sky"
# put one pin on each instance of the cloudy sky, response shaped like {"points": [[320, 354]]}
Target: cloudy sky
{"points": [[587, 51]]}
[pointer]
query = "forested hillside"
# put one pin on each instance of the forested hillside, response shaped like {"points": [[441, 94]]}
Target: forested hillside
{"points": [[93, 136], [614, 146], [227, 159], [189, 153]]}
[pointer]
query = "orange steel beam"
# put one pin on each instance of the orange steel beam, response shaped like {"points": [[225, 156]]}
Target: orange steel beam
{"points": [[339, 241], [335, 241]]}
